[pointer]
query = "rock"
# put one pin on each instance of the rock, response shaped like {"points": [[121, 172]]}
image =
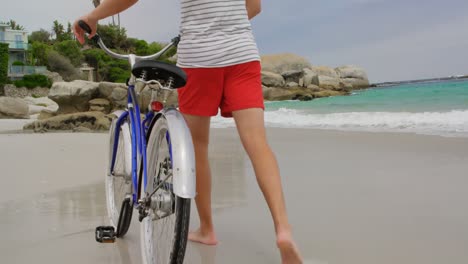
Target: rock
{"points": [[53, 76], [292, 76], [314, 88], [100, 104], [309, 77], [13, 91], [279, 94], [325, 71], [272, 79], [106, 89], [356, 83], [292, 84], [41, 104], [353, 76], [81, 129], [13, 108], [73, 96], [90, 120], [279, 63], [119, 98], [329, 83], [351, 71]]}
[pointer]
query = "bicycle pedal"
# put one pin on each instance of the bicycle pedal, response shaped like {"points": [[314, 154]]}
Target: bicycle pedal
{"points": [[105, 234]]}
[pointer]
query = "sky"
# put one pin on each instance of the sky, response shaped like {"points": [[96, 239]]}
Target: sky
{"points": [[392, 40]]}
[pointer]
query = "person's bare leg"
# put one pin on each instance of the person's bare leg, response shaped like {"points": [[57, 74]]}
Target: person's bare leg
{"points": [[251, 128], [200, 128]]}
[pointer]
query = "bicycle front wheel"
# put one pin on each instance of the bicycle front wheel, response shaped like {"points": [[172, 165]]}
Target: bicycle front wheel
{"points": [[164, 230], [119, 180]]}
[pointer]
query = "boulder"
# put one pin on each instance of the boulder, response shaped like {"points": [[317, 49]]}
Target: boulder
{"points": [[292, 84], [351, 71], [292, 76], [272, 79], [118, 98], [13, 108], [279, 94], [279, 63], [325, 71], [73, 96], [53, 76], [329, 83], [353, 76], [41, 104], [356, 83], [107, 88], [309, 77], [90, 120], [328, 93], [100, 104]]}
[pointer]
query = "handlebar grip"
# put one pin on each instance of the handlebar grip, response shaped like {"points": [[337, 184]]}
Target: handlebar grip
{"points": [[87, 29], [84, 26]]}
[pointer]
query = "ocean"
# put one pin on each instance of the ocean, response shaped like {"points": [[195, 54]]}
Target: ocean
{"points": [[432, 108]]}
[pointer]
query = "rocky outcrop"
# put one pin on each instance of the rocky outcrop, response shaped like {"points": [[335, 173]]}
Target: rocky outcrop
{"points": [[13, 108], [73, 122], [73, 96], [289, 77], [21, 92], [280, 63]]}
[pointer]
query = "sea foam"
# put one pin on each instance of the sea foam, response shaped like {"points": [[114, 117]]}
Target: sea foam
{"points": [[451, 123]]}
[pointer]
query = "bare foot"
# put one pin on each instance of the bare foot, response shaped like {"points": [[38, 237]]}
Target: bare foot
{"points": [[203, 238], [288, 249]]}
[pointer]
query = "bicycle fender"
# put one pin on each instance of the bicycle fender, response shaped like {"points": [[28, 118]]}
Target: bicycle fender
{"points": [[118, 113], [183, 155]]}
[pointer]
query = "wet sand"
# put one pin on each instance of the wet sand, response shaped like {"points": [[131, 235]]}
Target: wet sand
{"points": [[363, 198]]}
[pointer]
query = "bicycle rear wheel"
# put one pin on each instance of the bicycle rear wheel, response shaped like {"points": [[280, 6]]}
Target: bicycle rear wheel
{"points": [[164, 230], [119, 181]]}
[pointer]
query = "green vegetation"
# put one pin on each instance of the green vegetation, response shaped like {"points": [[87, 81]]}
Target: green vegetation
{"points": [[3, 66], [33, 80], [61, 53]]}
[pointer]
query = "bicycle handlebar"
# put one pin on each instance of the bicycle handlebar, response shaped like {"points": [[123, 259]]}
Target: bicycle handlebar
{"points": [[96, 38]]}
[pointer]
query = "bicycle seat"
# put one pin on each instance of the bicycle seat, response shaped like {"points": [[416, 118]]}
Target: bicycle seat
{"points": [[161, 71]]}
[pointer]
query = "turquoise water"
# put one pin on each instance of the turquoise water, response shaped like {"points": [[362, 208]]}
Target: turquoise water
{"points": [[437, 108], [420, 97]]}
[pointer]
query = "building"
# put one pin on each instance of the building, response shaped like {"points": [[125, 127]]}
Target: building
{"points": [[18, 47]]}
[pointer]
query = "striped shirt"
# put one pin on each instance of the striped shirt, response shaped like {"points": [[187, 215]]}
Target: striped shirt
{"points": [[215, 33]]}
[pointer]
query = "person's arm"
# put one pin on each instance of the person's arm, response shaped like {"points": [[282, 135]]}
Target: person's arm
{"points": [[105, 9], [253, 7]]}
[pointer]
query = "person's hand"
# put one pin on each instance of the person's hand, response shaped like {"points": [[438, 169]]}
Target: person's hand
{"points": [[80, 33]]}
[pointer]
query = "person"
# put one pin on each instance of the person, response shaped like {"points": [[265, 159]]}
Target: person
{"points": [[218, 52]]}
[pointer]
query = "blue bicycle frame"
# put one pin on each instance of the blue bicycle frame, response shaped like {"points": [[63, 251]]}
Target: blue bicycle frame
{"points": [[138, 137]]}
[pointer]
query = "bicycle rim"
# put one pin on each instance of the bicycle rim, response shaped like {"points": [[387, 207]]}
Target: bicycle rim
{"points": [[164, 239], [118, 185]]}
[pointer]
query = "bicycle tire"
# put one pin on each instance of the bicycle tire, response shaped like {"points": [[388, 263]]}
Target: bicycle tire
{"points": [[163, 240], [119, 184]]}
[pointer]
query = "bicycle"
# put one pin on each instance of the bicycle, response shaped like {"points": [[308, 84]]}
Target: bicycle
{"points": [[151, 162]]}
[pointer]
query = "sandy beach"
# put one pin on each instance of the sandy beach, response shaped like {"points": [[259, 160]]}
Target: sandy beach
{"points": [[352, 197]]}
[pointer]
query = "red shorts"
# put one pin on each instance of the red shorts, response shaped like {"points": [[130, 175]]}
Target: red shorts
{"points": [[230, 88]]}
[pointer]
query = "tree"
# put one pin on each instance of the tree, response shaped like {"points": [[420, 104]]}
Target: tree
{"points": [[62, 65], [58, 30], [39, 36], [39, 52], [113, 36], [71, 50], [14, 25], [3, 66]]}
